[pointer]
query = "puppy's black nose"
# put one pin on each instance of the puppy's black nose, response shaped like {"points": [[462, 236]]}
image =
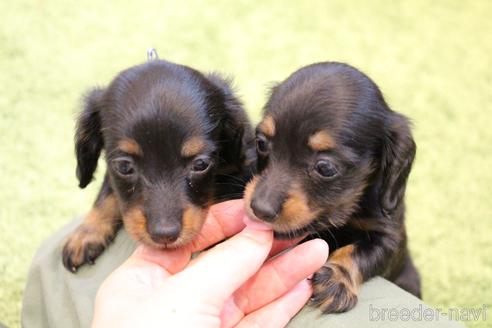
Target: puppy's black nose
{"points": [[264, 209], [165, 233]]}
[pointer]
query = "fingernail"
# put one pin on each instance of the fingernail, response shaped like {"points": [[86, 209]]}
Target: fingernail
{"points": [[258, 232], [255, 224]]}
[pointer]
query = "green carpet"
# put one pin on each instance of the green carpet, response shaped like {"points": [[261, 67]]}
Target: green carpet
{"points": [[431, 59]]}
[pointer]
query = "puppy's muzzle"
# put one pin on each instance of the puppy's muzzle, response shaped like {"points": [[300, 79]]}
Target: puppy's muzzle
{"points": [[267, 202], [165, 231], [164, 223], [264, 209]]}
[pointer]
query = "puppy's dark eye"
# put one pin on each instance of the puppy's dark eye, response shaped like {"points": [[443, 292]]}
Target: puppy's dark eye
{"points": [[262, 145], [124, 167], [326, 169], [201, 164]]}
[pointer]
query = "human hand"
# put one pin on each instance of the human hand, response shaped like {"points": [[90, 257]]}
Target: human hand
{"points": [[227, 285]]}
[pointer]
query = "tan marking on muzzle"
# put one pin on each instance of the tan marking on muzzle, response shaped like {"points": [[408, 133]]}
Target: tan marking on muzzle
{"points": [[193, 219], [248, 196], [296, 212], [136, 225]]}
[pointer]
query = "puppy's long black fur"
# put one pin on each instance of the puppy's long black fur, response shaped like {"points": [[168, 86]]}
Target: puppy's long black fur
{"points": [[175, 141], [333, 163]]}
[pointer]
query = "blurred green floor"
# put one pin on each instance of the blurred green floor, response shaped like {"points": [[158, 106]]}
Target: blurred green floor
{"points": [[431, 59]]}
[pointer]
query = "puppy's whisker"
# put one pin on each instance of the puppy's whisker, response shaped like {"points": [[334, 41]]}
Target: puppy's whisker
{"points": [[313, 229], [236, 178], [228, 197], [334, 238], [229, 184]]}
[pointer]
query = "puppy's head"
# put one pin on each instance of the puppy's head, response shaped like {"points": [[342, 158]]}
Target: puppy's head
{"points": [[167, 132], [328, 146]]}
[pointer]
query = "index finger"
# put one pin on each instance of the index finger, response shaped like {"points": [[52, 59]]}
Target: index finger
{"points": [[221, 270], [275, 278], [225, 220]]}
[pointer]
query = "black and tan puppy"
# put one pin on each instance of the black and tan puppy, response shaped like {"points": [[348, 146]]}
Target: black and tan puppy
{"points": [[333, 163], [175, 141]]}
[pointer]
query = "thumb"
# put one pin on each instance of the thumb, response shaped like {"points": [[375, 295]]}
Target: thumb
{"points": [[170, 260], [223, 269]]}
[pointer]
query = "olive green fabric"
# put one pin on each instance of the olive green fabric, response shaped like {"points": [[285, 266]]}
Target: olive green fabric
{"points": [[55, 297], [381, 304]]}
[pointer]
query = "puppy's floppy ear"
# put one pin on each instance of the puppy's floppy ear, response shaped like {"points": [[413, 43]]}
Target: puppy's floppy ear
{"points": [[88, 136], [236, 134], [398, 154]]}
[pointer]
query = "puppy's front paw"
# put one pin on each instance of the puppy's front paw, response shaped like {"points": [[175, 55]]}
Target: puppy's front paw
{"points": [[333, 289], [83, 246]]}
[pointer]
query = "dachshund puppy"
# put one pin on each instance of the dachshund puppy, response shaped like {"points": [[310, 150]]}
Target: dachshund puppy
{"points": [[333, 161], [175, 141]]}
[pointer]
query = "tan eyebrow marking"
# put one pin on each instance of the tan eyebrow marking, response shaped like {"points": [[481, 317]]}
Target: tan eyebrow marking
{"points": [[130, 146], [192, 147], [267, 126], [320, 141]]}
